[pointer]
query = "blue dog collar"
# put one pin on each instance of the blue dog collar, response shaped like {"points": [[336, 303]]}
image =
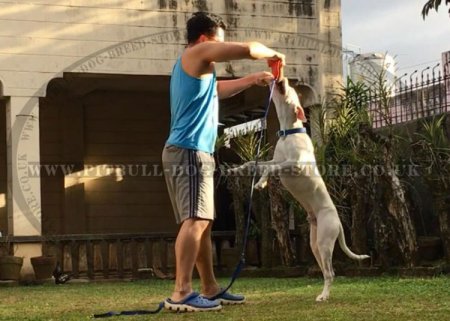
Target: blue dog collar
{"points": [[286, 132]]}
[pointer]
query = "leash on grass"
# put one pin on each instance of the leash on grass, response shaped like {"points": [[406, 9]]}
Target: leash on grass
{"points": [[276, 71], [131, 312]]}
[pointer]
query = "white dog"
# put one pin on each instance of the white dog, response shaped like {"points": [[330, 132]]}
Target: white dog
{"points": [[294, 161]]}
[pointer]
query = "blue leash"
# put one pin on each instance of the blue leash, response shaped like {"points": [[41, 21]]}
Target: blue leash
{"points": [[241, 262]]}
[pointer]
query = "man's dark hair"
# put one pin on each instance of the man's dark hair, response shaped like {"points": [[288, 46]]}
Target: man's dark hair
{"points": [[203, 23]]}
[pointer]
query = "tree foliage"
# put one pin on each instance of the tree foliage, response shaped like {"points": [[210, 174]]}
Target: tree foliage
{"points": [[432, 4]]}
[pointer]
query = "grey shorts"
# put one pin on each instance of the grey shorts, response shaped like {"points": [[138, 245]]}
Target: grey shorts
{"points": [[189, 177]]}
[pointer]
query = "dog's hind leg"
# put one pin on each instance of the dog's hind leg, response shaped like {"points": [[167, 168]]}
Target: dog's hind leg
{"points": [[327, 270], [312, 227], [327, 232], [313, 239]]}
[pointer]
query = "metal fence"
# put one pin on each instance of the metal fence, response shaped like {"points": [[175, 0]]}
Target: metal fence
{"points": [[417, 97]]}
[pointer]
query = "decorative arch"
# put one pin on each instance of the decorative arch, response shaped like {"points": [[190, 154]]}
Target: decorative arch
{"points": [[308, 96], [56, 87], [96, 125]]}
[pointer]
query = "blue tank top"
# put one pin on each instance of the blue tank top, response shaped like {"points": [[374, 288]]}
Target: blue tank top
{"points": [[194, 110]]}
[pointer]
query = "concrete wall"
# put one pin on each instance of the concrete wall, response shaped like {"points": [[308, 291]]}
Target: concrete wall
{"points": [[42, 38]]}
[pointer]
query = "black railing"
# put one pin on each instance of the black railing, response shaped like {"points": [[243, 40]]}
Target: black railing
{"points": [[418, 97], [111, 255]]}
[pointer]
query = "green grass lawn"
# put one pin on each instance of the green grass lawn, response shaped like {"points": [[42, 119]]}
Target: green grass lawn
{"points": [[268, 299]]}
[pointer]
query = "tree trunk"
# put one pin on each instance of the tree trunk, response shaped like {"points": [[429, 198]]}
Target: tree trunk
{"points": [[444, 222], [398, 209], [359, 216], [381, 230], [394, 197], [382, 241], [280, 221], [441, 206], [238, 206], [263, 208]]}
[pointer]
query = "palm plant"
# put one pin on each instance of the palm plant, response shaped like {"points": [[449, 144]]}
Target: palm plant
{"points": [[245, 147], [432, 152]]}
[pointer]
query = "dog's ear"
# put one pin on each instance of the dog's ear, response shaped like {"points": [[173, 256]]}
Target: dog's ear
{"points": [[300, 113]]}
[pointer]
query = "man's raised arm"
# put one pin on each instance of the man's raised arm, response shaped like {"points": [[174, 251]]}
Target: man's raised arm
{"points": [[211, 51]]}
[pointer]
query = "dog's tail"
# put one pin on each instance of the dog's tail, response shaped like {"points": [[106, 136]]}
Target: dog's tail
{"points": [[344, 247]]}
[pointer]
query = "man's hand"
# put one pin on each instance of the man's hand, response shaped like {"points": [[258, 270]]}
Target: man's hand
{"points": [[262, 78], [259, 51], [229, 88]]}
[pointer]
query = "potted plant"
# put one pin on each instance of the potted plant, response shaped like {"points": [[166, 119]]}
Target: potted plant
{"points": [[43, 265], [10, 265]]}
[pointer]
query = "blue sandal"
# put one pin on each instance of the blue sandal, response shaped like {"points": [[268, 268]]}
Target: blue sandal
{"points": [[227, 298], [194, 302]]}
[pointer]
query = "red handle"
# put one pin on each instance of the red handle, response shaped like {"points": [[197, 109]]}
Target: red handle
{"points": [[276, 68]]}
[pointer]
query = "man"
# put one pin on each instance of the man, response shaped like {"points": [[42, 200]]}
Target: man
{"points": [[194, 94]]}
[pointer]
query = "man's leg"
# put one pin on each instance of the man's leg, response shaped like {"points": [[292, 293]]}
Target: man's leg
{"points": [[204, 264], [187, 249]]}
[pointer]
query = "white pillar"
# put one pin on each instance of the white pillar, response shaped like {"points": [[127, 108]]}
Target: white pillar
{"points": [[24, 184]]}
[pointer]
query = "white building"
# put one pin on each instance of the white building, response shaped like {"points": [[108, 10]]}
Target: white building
{"points": [[369, 67], [85, 83]]}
